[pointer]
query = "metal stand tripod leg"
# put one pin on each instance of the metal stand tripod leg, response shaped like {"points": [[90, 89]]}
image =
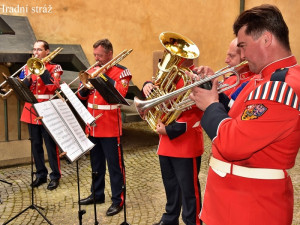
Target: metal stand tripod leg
{"points": [[4, 181], [80, 212], [123, 172], [32, 206], [94, 174], [124, 188]]}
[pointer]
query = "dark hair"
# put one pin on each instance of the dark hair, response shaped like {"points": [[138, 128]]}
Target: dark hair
{"points": [[263, 18], [105, 43], [45, 43]]}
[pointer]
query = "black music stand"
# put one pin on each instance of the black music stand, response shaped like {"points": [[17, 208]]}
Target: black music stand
{"points": [[4, 181], [111, 95], [107, 90], [80, 211], [23, 93]]}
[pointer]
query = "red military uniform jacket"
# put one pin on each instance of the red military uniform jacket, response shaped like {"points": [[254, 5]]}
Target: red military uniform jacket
{"points": [[244, 77], [184, 137], [107, 125], [43, 87], [262, 130]]}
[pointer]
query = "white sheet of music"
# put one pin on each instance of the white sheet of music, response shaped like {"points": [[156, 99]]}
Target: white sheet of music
{"points": [[77, 104], [64, 128]]}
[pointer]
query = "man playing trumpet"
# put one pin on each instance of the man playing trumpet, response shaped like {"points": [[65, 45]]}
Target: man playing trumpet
{"points": [[233, 58], [254, 144]]}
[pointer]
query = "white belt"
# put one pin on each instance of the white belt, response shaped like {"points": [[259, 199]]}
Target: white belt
{"points": [[43, 96], [103, 107], [255, 173]]}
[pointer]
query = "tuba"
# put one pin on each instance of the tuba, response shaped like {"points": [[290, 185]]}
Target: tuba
{"points": [[178, 49]]}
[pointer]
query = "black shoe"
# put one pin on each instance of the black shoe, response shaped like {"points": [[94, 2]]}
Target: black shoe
{"points": [[38, 181], [163, 223], [53, 184], [113, 210], [90, 200]]}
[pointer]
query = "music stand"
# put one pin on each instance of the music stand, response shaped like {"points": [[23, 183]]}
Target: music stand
{"points": [[4, 181], [107, 90], [112, 96], [61, 113], [80, 211], [23, 93]]}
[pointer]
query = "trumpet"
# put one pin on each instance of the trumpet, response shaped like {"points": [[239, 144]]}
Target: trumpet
{"points": [[84, 76], [143, 107], [35, 66]]}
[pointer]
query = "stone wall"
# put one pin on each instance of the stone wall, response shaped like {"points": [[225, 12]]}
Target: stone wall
{"points": [[137, 24]]}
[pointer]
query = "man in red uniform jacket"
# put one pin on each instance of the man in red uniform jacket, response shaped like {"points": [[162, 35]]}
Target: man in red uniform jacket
{"points": [[233, 58], [180, 159], [43, 87], [255, 144], [106, 134]]}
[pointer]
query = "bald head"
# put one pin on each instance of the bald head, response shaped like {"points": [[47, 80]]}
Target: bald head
{"points": [[233, 55]]}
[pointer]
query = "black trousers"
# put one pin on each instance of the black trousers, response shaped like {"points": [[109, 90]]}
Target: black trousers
{"points": [[37, 134], [182, 187], [107, 149]]}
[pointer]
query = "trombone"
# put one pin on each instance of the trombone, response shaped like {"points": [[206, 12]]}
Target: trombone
{"points": [[35, 66], [143, 107], [87, 76], [59, 92], [84, 76]]}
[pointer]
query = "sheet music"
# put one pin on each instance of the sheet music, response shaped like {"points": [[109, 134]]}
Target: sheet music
{"points": [[64, 128], [77, 104], [73, 124]]}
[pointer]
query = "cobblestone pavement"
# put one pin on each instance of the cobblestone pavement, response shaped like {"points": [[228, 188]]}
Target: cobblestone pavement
{"points": [[145, 193]]}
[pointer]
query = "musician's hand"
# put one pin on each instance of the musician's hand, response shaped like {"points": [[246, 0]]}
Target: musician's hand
{"points": [[161, 128], [200, 73], [203, 98], [56, 75], [147, 89], [203, 71]]}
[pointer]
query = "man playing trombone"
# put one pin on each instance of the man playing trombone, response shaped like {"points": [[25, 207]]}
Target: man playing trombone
{"points": [[106, 134], [43, 87]]}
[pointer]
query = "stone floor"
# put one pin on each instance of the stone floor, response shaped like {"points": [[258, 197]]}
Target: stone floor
{"points": [[145, 193]]}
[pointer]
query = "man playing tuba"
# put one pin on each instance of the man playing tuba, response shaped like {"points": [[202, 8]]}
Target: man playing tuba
{"points": [[179, 150]]}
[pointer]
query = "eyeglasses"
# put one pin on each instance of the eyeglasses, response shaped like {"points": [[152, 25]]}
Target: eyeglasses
{"points": [[38, 50]]}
